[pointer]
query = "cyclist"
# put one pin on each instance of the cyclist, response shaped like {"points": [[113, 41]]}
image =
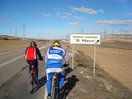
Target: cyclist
{"points": [[31, 54], [53, 59]]}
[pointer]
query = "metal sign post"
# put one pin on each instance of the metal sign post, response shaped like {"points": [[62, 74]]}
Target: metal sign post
{"points": [[72, 56], [94, 68], [94, 59]]}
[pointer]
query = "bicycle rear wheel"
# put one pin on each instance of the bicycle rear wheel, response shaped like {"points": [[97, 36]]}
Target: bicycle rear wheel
{"points": [[30, 83]]}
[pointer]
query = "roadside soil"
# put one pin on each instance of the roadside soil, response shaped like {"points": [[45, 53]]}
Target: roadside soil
{"points": [[81, 83], [117, 62]]}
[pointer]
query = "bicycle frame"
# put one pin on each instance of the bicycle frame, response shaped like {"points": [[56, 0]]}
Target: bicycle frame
{"points": [[33, 73]]}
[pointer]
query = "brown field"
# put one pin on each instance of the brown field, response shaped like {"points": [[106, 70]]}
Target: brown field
{"points": [[103, 85], [7, 45], [114, 58]]}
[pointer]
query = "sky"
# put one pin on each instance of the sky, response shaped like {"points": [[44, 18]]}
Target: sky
{"points": [[56, 19]]}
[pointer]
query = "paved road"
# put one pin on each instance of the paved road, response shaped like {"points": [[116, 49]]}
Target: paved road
{"points": [[14, 75]]}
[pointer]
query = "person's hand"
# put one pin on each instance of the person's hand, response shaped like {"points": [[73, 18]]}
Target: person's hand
{"points": [[65, 65]]}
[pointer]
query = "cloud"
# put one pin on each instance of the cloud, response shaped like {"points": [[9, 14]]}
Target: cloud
{"points": [[53, 36], [46, 15], [97, 29], [78, 17], [65, 17], [115, 22], [128, 30], [50, 28], [85, 10], [58, 8], [6, 19], [120, 31], [128, 14], [74, 29], [101, 11], [58, 13], [67, 13], [77, 24]]}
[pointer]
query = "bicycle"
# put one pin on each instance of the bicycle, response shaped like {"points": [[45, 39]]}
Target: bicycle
{"points": [[31, 79], [55, 92], [55, 88]]}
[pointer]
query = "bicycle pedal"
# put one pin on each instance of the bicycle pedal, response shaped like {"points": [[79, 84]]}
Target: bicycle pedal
{"points": [[49, 96]]}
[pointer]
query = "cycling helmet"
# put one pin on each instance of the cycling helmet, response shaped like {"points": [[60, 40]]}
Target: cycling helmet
{"points": [[33, 43], [56, 43]]}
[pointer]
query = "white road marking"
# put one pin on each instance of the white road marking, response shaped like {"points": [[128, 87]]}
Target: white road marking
{"points": [[17, 57], [11, 60], [4, 53], [45, 95], [8, 52], [44, 46]]}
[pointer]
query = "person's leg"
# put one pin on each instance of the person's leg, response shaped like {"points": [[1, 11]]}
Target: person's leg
{"points": [[29, 62], [36, 67], [61, 81], [49, 83]]}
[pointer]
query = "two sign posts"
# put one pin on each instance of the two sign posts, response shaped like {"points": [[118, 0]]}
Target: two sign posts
{"points": [[89, 39]]}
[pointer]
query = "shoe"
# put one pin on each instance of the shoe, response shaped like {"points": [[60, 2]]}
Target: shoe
{"points": [[36, 82], [60, 90], [49, 96], [36, 78]]}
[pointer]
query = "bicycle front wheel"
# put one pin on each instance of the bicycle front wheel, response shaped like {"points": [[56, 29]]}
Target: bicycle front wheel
{"points": [[53, 93]]}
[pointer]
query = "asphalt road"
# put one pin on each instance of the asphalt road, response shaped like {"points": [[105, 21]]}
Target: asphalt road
{"points": [[14, 75]]}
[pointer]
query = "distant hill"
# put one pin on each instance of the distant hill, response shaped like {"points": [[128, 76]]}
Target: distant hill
{"points": [[6, 37], [119, 36]]}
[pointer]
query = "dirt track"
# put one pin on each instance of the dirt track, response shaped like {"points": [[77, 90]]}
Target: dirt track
{"points": [[117, 62]]}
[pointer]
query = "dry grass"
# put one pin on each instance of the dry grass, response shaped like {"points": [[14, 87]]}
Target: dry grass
{"points": [[85, 61], [120, 44], [7, 45], [113, 86]]}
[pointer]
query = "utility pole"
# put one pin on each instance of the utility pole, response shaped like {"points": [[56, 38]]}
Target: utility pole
{"points": [[24, 30], [121, 29], [16, 32], [10, 32], [105, 31]]}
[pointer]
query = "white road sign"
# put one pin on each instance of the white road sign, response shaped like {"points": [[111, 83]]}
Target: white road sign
{"points": [[91, 39]]}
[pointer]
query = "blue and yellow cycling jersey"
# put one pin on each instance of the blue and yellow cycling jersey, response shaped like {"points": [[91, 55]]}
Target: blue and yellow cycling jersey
{"points": [[54, 57]]}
